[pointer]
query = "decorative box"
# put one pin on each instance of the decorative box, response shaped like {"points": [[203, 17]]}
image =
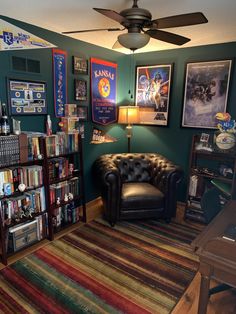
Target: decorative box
{"points": [[22, 235]]}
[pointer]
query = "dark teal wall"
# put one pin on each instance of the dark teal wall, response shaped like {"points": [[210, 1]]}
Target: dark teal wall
{"points": [[172, 141], [73, 47]]}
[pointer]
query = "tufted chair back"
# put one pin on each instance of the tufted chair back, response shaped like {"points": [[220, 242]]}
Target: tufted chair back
{"points": [[135, 185]]}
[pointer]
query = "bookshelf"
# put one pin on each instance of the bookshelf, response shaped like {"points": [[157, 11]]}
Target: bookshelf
{"points": [[207, 171], [64, 184], [23, 214], [50, 169]]}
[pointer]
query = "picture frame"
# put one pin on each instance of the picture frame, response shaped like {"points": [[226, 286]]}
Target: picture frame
{"points": [[205, 92], [82, 113], [80, 89], [152, 93], [79, 65], [26, 97]]}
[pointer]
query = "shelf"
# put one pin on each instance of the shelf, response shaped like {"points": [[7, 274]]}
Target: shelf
{"points": [[204, 177], [18, 193], [44, 219], [63, 155], [55, 181], [63, 203], [219, 177], [23, 220], [215, 154]]}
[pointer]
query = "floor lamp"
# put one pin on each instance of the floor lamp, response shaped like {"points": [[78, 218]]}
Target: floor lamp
{"points": [[129, 115]]}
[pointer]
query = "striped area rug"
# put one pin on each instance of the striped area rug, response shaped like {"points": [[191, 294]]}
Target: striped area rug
{"points": [[136, 267]]}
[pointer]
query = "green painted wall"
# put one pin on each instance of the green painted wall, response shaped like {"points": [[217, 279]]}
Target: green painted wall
{"points": [[172, 141]]}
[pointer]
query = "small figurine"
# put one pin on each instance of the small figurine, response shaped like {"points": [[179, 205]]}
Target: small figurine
{"points": [[66, 198], [58, 201], [21, 187], [71, 196]]}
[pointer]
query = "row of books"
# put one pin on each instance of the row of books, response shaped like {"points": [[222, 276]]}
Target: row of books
{"points": [[9, 150], [62, 143], [58, 168], [10, 178], [56, 144], [15, 209], [64, 190], [63, 215]]}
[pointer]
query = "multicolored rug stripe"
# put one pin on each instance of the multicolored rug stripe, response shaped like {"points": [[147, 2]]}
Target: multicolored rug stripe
{"points": [[135, 267]]}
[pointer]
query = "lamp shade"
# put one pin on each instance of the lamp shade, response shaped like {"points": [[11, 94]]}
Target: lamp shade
{"points": [[133, 40], [128, 115]]}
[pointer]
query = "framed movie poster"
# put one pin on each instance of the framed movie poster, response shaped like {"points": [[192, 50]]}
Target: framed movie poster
{"points": [[206, 93], [80, 65], [153, 93], [27, 97], [80, 89]]}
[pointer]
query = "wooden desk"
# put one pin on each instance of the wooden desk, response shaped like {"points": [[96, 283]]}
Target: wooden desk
{"points": [[217, 255]]}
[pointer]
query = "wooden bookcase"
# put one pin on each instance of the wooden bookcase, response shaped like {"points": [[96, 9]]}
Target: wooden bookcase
{"points": [[64, 211], [19, 231], [205, 173]]}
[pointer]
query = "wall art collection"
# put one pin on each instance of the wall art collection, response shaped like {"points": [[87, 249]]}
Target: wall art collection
{"points": [[206, 87]]}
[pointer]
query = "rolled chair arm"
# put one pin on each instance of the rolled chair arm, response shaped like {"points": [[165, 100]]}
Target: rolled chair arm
{"points": [[109, 182], [166, 177]]}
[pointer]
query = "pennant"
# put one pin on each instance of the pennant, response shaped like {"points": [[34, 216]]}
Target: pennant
{"points": [[15, 38]]}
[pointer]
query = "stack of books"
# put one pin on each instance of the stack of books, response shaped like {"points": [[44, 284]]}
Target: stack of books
{"points": [[9, 150]]}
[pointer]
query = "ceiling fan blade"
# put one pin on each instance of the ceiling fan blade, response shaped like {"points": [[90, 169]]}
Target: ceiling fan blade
{"points": [[167, 37], [94, 30], [111, 14], [180, 20]]}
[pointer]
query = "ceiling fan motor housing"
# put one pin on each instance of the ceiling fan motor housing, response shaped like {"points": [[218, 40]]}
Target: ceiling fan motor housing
{"points": [[136, 18]]}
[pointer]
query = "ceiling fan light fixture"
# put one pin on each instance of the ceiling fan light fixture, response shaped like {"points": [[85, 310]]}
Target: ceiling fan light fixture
{"points": [[133, 41]]}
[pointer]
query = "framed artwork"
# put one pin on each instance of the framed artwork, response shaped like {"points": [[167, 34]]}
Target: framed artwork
{"points": [[206, 93], [82, 113], [80, 65], [26, 97], [80, 89], [153, 93]]}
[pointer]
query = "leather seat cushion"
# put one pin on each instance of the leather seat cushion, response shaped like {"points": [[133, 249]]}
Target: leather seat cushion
{"points": [[141, 195]]}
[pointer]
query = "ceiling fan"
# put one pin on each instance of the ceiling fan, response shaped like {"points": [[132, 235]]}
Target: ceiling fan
{"points": [[141, 27]]}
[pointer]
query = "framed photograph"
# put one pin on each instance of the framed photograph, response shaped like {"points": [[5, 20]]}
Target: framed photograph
{"points": [[206, 93], [153, 93], [80, 65], [82, 113], [80, 89], [26, 97]]}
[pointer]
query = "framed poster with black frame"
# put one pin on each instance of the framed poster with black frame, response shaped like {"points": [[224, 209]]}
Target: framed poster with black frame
{"points": [[79, 65], [26, 97], [153, 83], [206, 92], [80, 89]]}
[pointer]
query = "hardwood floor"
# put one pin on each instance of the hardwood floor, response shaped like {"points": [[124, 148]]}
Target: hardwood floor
{"points": [[220, 303]]}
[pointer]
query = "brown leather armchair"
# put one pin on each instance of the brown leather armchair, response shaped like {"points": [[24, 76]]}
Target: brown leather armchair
{"points": [[137, 185]]}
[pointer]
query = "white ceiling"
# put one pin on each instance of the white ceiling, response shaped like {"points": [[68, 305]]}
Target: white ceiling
{"points": [[61, 15]]}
